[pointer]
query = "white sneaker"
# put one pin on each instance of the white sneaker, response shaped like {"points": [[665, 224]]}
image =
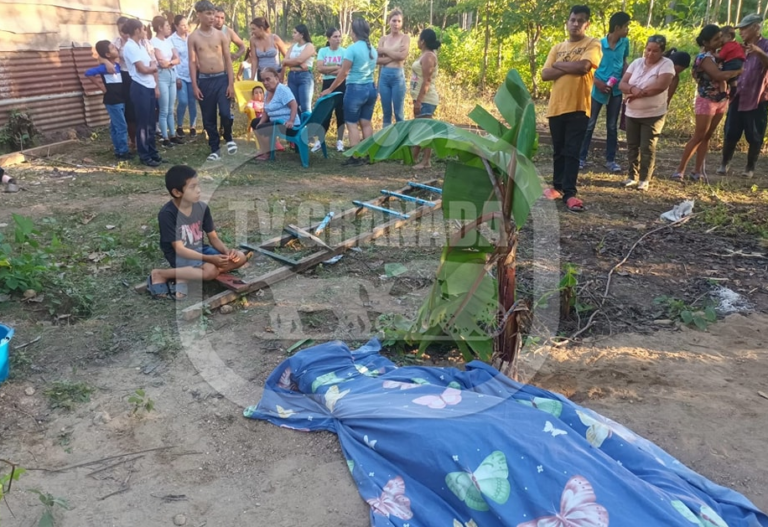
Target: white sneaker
{"points": [[339, 146], [627, 183], [643, 185], [317, 146]]}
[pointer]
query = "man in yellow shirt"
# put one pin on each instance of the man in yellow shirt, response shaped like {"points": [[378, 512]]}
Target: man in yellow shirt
{"points": [[570, 67]]}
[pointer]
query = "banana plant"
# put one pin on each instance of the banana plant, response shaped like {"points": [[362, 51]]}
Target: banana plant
{"points": [[490, 185]]}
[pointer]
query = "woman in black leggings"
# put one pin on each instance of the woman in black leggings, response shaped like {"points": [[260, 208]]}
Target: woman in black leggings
{"points": [[329, 61]]}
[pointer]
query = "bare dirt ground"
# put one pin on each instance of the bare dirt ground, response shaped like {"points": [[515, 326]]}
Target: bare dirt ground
{"points": [[693, 392]]}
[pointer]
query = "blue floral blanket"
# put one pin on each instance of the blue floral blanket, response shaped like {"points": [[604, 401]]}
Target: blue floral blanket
{"points": [[445, 447]]}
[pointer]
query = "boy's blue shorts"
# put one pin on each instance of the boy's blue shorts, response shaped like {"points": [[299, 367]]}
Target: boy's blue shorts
{"points": [[184, 262]]}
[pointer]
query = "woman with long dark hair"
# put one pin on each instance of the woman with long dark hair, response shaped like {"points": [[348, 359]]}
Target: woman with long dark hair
{"points": [[300, 60], [711, 101], [360, 97], [423, 92], [329, 60]]}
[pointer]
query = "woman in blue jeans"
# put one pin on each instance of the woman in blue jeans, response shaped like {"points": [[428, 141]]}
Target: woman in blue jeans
{"points": [[360, 96], [301, 58], [393, 51], [184, 95], [167, 60]]}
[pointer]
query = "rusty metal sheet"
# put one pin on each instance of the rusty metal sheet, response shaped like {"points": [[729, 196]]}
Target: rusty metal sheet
{"points": [[37, 73], [57, 98], [51, 115]]}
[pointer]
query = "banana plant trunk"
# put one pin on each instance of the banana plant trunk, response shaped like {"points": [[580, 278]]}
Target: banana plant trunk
{"points": [[507, 342]]}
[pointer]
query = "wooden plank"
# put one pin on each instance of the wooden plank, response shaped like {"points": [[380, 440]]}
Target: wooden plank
{"points": [[305, 263], [38, 151]]}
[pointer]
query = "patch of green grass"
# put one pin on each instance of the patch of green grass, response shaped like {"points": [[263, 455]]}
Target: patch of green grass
{"points": [[751, 220], [67, 394]]}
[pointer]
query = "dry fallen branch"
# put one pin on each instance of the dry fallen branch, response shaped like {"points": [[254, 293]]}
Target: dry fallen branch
{"points": [[96, 462], [622, 262]]}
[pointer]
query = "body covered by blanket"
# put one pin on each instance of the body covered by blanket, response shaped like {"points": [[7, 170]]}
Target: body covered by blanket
{"points": [[444, 447]]}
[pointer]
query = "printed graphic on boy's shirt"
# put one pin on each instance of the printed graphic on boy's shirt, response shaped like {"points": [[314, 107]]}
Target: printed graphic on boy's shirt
{"points": [[192, 234]]}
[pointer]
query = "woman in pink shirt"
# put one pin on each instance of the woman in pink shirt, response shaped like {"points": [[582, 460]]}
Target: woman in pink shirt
{"points": [[645, 85]]}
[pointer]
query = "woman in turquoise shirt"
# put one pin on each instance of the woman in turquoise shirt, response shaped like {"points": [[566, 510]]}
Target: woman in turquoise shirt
{"points": [[360, 97]]}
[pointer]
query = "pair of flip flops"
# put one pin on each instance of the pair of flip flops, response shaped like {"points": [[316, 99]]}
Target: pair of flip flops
{"points": [[231, 150], [573, 203], [171, 290]]}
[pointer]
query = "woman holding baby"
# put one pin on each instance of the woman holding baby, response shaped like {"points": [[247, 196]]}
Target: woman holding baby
{"points": [[711, 100]]}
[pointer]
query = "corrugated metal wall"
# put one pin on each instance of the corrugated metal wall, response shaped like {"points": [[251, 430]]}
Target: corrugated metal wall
{"points": [[52, 88]]}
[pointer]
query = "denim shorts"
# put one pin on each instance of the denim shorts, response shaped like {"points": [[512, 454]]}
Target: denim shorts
{"points": [[427, 109], [183, 262], [359, 100]]}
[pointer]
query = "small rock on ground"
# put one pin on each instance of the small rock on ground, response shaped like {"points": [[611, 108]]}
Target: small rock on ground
{"points": [[179, 519], [30, 391], [101, 418]]}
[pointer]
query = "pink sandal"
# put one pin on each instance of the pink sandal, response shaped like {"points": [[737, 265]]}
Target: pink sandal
{"points": [[574, 204], [552, 194]]}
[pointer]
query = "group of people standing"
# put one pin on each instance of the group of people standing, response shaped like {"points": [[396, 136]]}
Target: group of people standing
{"points": [[350, 71], [589, 74], [152, 82], [144, 76]]}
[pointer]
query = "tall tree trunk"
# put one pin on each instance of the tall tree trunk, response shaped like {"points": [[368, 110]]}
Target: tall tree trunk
{"points": [[286, 10], [765, 10], [715, 15], [498, 55], [445, 21], [484, 68], [650, 13], [709, 8], [738, 12], [670, 10], [729, 13], [384, 18], [532, 34], [233, 19]]}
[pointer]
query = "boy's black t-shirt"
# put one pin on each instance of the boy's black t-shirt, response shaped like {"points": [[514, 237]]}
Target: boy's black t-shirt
{"points": [[113, 91], [175, 226]]}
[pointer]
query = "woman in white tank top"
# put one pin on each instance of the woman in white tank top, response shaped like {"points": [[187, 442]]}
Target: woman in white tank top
{"points": [[301, 58]]}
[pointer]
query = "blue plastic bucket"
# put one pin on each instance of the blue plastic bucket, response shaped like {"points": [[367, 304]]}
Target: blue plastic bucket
{"points": [[6, 334]]}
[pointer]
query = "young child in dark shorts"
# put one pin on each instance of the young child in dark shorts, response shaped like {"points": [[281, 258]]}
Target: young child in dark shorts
{"points": [[731, 55], [183, 222]]}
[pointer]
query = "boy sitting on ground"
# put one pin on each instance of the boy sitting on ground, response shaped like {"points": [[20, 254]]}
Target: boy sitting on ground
{"points": [[183, 220]]}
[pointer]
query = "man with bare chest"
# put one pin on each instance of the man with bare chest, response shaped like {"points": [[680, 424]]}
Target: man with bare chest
{"points": [[210, 68]]}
